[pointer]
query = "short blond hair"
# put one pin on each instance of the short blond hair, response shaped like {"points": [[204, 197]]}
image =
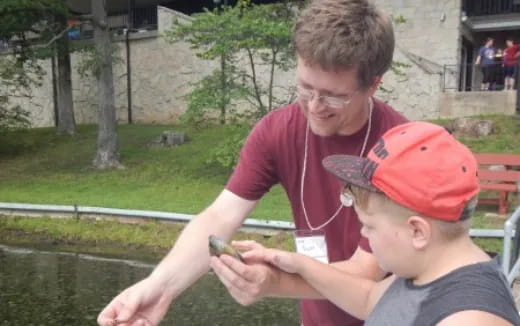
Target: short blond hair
{"points": [[343, 35], [376, 202]]}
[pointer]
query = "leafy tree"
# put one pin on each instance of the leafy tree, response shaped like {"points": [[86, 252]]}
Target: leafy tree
{"points": [[37, 28], [244, 39]]}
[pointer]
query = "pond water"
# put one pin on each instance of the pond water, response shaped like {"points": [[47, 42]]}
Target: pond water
{"points": [[39, 287]]}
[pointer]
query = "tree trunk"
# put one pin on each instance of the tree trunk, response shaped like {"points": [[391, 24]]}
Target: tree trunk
{"points": [[66, 122], [107, 155]]}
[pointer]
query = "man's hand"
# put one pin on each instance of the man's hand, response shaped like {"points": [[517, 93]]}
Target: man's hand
{"points": [[247, 283], [143, 304]]}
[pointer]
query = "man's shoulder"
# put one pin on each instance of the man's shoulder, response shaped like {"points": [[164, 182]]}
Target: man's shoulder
{"points": [[387, 115], [281, 117]]}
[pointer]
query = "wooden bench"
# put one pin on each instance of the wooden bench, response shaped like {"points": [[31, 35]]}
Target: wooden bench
{"points": [[504, 180]]}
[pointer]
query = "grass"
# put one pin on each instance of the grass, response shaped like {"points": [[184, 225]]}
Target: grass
{"points": [[148, 240], [36, 166]]}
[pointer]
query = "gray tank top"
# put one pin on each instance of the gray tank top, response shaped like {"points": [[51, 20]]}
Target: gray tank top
{"points": [[480, 286]]}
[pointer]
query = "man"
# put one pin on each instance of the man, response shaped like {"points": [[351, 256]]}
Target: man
{"points": [[343, 48], [414, 194]]}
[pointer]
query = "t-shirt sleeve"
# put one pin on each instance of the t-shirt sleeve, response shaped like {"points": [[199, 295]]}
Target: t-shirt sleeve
{"points": [[363, 244], [255, 172]]}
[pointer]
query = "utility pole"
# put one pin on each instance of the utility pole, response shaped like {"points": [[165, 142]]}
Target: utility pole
{"points": [[129, 28]]}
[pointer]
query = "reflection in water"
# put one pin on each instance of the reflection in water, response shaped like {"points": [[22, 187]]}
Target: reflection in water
{"points": [[50, 288]]}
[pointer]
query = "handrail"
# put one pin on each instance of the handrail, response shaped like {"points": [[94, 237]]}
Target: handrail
{"points": [[510, 224]]}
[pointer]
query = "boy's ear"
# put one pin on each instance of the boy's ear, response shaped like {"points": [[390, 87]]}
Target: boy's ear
{"points": [[420, 231]]}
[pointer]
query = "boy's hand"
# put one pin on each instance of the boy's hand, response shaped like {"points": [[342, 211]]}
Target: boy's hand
{"points": [[286, 261]]}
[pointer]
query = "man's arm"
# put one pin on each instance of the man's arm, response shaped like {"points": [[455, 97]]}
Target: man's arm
{"points": [[147, 301], [178, 270]]}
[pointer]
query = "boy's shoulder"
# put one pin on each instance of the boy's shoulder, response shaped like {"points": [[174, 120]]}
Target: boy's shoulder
{"points": [[477, 287]]}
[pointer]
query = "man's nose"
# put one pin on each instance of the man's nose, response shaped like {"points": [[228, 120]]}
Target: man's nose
{"points": [[315, 104]]}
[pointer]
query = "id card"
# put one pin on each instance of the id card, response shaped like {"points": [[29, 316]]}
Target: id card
{"points": [[312, 244]]}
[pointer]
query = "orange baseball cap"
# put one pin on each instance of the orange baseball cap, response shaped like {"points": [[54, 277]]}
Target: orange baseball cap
{"points": [[419, 165]]}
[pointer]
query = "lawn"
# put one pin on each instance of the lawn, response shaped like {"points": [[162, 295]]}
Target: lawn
{"points": [[38, 167]]}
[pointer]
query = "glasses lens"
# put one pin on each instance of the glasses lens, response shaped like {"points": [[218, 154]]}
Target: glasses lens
{"points": [[334, 102]]}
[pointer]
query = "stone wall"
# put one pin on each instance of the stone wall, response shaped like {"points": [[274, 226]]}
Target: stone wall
{"points": [[455, 104], [162, 72], [426, 41]]}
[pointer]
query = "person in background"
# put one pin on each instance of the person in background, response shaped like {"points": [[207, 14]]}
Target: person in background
{"points": [[511, 54], [486, 61], [343, 48]]}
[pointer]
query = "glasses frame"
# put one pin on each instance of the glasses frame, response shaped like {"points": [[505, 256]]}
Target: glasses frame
{"points": [[334, 102]]}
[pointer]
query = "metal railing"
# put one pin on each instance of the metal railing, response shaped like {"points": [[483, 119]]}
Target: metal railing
{"points": [[511, 247], [490, 7], [469, 77]]}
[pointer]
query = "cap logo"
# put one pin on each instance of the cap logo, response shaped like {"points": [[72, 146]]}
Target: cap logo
{"points": [[368, 169], [380, 149]]}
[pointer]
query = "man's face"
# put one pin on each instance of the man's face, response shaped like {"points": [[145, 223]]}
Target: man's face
{"points": [[323, 88], [509, 43]]}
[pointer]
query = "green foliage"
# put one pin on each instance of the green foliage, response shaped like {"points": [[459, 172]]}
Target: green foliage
{"points": [[32, 26], [17, 77], [91, 61], [245, 39], [227, 152]]}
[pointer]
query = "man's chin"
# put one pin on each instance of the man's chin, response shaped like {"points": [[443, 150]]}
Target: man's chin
{"points": [[322, 132]]}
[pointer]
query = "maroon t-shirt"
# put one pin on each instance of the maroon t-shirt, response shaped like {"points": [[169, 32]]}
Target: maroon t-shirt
{"points": [[274, 152], [509, 55]]}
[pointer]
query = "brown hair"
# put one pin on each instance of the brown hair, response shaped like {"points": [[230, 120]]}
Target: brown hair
{"points": [[345, 34]]}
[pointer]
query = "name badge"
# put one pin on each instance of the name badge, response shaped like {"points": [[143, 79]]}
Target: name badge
{"points": [[312, 244]]}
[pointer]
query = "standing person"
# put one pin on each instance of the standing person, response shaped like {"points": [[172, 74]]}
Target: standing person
{"points": [[343, 48], [511, 54], [415, 194], [486, 61]]}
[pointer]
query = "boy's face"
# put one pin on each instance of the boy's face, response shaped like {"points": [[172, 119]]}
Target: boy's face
{"points": [[389, 238], [341, 86]]}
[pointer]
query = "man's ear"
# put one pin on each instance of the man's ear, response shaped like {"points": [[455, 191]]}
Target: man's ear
{"points": [[420, 231], [375, 84]]}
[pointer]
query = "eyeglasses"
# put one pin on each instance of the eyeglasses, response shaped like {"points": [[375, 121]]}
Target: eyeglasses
{"points": [[334, 102]]}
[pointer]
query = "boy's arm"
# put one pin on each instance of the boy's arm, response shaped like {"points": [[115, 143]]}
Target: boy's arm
{"points": [[248, 283], [356, 295], [474, 318]]}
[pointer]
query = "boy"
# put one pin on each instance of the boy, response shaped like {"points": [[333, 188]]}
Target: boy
{"points": [[414, 195]]}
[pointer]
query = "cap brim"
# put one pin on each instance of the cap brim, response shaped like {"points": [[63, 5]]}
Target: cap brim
{"points": [[349, 168]]}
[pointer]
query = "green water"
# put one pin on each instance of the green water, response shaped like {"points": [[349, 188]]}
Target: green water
{"points": [[52, 288]]}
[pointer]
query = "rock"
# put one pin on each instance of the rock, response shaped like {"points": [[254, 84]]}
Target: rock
{"points": [[471, 127], [172, 138]]}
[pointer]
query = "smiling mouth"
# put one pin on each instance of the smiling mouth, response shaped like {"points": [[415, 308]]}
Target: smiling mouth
{"points": [[323, 117]]}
